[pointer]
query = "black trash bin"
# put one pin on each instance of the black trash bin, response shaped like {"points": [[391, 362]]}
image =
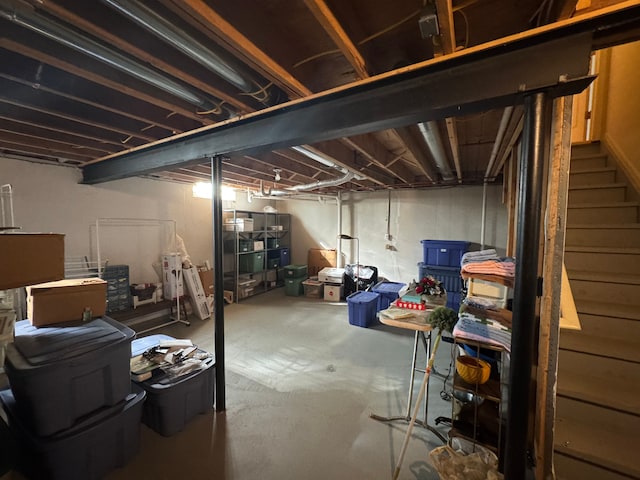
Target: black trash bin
{"points": [[367, 278]]}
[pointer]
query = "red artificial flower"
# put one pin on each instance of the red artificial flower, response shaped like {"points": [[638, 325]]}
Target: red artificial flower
{"points": [[419, 289]]}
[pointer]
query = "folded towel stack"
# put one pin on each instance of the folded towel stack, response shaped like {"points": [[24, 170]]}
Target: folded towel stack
{"points": [[486, 330], [487, 262]]}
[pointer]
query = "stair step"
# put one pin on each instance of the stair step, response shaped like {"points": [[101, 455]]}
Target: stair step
{"points": [[585, 148], [575, 341], [598, 234], [603, 193], [614, 287], [602, 259], [581, 376], [605, 309], [623, 329], [590, 176], [613, 212], [602, 436], [569, 468], [588, 161]]}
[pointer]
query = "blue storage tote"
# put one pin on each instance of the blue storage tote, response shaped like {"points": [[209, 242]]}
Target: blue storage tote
{"points": [[388, 293], [284, 257], [362, 308], [443, 253], [449, 276]]}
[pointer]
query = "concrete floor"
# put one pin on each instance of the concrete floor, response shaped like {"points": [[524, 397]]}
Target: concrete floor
{"points": [[301, 383]]}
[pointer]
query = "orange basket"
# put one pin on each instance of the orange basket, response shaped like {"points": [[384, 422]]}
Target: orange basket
{"points": [[472, 369]]}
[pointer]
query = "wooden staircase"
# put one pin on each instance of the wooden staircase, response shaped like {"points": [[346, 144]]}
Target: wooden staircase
{"points": [[598, 398]]}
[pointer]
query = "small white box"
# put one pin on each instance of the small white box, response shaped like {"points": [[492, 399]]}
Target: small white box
{"points": [[332, 293], [258, 245], [172, 276], [239, 224], [331, 275]]}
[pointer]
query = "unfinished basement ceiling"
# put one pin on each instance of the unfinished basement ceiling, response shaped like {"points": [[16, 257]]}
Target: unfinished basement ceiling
{"points": [[80, 81]]}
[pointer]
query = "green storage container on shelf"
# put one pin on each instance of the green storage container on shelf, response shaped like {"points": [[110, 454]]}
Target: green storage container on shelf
{"points": [[273, 242], [245, 245], [273, 262], [295, 271], [294, 287], [251, 262]]}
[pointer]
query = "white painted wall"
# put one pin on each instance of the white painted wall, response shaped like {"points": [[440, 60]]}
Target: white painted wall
{"points": [[434, 214], [50, 199]]}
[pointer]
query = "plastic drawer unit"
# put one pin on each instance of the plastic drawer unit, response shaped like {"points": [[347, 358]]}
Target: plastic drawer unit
{"points": [[172, 402], [90, 449], [59, 374]]}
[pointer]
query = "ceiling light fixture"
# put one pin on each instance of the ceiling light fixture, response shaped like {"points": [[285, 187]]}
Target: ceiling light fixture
{"points": [[277, 174]]}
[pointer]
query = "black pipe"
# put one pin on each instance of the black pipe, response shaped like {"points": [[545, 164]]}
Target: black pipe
{"points": [[526, 286], [218, 280]]}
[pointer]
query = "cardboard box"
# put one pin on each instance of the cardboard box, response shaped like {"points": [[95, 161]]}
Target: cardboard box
{"points": [[197, 294], [172, 276], [66, 300], [319, 258], [332, 293], [30, 258], [258, 245], [206, 278]]}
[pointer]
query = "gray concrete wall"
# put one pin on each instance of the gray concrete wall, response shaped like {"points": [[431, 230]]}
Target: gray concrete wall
{"points": [[50, 199]]}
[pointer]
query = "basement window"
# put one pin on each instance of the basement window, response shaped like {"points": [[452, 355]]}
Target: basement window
{"points": [[203, 190]]}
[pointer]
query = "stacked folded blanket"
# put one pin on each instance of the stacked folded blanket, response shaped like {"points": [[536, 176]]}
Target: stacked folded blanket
{"points": [[486, 330], [487, 262], [499, 315]]}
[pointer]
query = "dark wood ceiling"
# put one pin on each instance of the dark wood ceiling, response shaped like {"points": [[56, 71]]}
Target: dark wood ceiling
{"points": [[83, 80]]}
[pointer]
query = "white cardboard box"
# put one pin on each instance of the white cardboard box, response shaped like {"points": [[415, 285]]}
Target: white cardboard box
{"points": [[196, 293], [258, 245], [331, 275], [172, 276], [332, 293]]}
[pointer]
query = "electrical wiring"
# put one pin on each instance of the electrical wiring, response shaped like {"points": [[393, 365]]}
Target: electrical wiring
{"points": [[466, 29], [217, 110], [361, 42], [262, 91]]}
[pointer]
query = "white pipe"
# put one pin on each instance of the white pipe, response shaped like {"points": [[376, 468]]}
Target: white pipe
{"points": [[484, 214], [324, 183], [506, 116], [431, 135], [339, 252]]}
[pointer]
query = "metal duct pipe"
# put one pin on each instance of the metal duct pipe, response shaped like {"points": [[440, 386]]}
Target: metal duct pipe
{"points": [[432, 138], [506, 116], [317, 157], [71, 39], [166, 31], [324, 183]]}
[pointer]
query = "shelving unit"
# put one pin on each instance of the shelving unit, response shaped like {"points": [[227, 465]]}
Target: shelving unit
{"points": [[256, 247], [481, 417]]}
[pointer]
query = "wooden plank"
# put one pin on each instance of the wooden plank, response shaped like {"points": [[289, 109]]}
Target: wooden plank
{"points": [[380, 156], [549, 333], [241, 45], [325, 17], [424, 162], [447, 29]]}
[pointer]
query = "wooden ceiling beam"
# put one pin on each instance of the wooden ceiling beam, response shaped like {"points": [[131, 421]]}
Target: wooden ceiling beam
{"points": [[380, 156], [68, 66], [35, 131], [54, 144], [325, 17], [82, 121], [106, 35], [241, 46], [447, 29], [347, 158], [417, 150], [28, 149]]}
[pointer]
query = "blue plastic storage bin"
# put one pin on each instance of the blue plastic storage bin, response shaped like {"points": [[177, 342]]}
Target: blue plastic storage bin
{"points": [[284, 257], [362, 308], [388, 293], [449, 276], [443, 253]]}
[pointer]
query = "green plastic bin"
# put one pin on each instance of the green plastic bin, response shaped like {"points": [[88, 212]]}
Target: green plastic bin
{"points": [[294, 287], [295, 271], [251, 262]]}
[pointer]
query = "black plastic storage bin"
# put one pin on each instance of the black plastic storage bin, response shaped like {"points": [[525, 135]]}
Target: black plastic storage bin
{"points": [[172, 403], [90, 449], [59, 374]]}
